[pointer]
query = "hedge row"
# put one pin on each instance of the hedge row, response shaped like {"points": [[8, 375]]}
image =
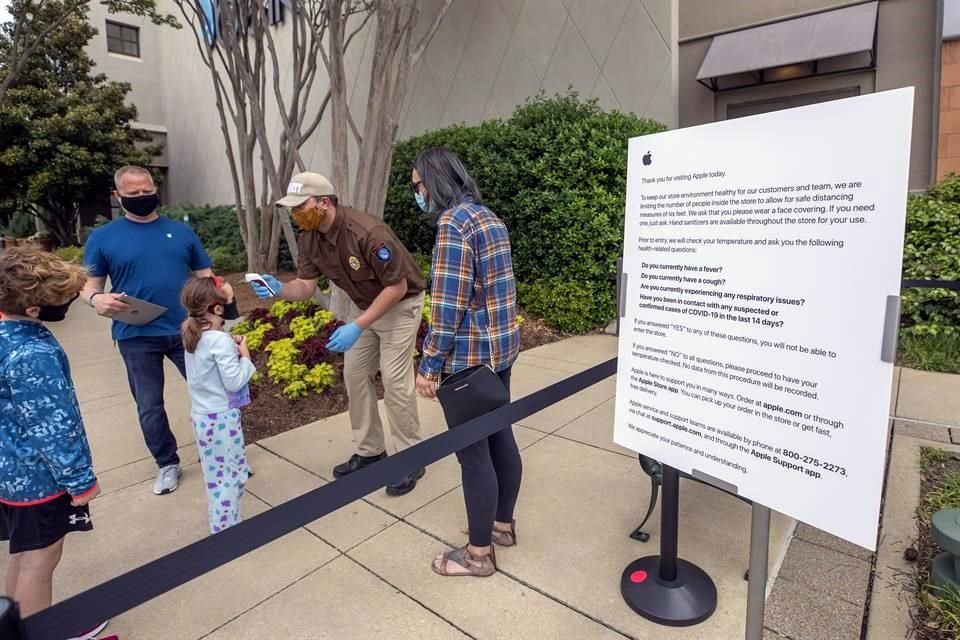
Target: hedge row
{"points": [[555, 173], [932, 250]]}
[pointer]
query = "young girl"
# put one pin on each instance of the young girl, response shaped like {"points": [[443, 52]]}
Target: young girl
{"points": [[218, 370]]}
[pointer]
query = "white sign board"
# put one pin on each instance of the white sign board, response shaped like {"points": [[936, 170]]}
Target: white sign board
{"points": [[759, 256]]}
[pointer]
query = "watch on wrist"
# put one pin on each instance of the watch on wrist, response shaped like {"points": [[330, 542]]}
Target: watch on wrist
{"points": [[92, 296]]}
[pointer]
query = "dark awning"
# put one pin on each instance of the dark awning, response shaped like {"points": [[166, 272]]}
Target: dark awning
{"points": [[793, 47]]}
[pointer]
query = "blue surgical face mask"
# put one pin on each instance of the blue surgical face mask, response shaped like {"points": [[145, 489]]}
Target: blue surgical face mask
{"points": [[423, 204]]}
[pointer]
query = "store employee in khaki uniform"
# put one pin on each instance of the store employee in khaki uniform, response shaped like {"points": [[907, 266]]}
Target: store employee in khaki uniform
{"points": [[362, 256]]}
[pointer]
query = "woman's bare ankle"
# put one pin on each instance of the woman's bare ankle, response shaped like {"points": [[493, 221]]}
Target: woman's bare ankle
{"points": [[478, 552]]}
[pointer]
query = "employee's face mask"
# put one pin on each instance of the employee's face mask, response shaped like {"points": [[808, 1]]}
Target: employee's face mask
{"points": [[309, 217], [141, 206]]}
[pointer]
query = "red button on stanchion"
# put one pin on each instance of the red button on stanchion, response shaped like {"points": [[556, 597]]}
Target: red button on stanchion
{"points": [[638, 576]]}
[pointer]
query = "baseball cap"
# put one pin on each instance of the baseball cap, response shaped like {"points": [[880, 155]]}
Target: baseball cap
{"points": [[303, 186]]}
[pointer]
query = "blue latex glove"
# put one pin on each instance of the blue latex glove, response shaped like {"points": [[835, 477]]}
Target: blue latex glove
{"points": [[344, 337], [262, 291]]}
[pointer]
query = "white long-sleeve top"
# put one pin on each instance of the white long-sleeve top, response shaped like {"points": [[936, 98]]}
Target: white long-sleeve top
{"points": [[213, 369]]}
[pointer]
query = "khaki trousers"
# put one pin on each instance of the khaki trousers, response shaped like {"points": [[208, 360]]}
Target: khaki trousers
{"points": [[386, 346]]}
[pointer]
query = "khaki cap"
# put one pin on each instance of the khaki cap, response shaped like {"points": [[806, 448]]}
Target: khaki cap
{"points": [[304, 186]]}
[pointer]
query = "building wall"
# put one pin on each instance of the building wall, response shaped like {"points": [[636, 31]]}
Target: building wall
{"points": [[907, 33], [948, 151], [140, 73], [487, 57], [701, 17]]}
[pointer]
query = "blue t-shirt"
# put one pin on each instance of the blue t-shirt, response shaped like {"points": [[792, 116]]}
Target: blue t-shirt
{"points": [[147, 260]]}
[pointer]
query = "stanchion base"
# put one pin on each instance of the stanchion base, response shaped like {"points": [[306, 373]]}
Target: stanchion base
{"points": [[689, 600]]}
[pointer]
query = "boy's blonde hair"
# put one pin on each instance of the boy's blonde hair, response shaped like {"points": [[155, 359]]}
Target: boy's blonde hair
{"points": [[30, 277]]}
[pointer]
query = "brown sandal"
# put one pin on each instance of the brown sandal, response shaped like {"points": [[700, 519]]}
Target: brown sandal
{"points": [[501, 538], [476, 567]]}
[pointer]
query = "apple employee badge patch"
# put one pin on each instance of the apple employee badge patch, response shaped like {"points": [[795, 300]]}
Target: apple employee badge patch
{"points": [[382, 252]]}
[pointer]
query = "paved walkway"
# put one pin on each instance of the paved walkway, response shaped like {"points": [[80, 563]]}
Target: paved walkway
{"points": [[363, 572]]}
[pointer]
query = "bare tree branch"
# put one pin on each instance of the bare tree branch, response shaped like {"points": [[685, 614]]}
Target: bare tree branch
{"points": [[421, 47]]}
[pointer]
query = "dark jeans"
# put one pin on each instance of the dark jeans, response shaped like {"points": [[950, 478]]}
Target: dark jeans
{"points": [[143, 358], [491, 471]]}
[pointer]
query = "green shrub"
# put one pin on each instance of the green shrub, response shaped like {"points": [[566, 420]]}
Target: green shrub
{"points": [[571, 307], [425, 262], [70, 254], [219, 232], [931, 352], [225, 261], [86, 231], [932, 250], [555, 173]]}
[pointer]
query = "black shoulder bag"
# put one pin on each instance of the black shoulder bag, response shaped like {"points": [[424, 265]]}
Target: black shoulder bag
{"points": [[471, 393]]}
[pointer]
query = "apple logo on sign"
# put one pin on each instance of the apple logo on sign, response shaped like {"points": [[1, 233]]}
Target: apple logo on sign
{"points": [[647, 159]]}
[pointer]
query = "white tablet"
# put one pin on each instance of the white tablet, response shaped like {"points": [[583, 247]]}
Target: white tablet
{"points": [[139, 312]]}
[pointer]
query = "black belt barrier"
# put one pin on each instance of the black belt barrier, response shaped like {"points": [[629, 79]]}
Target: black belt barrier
{"points": [[155, 578], [953, 285]]}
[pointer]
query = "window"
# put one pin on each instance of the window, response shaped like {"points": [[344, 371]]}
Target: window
{"points": [[123, 39]]}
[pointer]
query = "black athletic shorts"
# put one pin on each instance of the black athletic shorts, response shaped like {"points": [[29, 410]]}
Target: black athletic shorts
{"points": [[40, 525]]}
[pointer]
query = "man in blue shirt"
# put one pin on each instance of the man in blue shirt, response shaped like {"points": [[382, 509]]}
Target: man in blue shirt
{"points": [[147, 257]]}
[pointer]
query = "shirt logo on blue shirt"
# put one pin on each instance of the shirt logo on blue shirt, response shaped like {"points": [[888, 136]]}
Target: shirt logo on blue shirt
{"points": [[383, 253]]}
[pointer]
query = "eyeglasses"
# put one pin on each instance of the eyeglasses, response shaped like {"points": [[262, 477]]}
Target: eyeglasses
{"points": [[415, 187]]}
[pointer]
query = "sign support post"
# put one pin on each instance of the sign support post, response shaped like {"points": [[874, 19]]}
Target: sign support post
{"points": [[666, 589], [757, 584]]}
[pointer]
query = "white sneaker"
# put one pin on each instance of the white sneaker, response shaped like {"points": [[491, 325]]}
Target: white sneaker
{"points": [[168, 479]]}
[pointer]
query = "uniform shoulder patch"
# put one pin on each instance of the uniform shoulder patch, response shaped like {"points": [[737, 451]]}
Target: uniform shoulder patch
{"points": [[382, 252]]}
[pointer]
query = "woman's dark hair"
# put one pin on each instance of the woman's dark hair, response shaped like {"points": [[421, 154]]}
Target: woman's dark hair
{"points": [[445, 177]]}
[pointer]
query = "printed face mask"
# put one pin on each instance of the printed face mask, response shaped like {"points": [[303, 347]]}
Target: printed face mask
{"points": [[309, 219], [141, 206]]}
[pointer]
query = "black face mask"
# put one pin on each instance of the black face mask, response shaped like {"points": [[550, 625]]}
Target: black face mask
{"points": [[141, 206], [55, 313], [230, 311]]}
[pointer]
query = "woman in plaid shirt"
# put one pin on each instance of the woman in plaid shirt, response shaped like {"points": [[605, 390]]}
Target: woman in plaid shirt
{"points": [[473, 321]]}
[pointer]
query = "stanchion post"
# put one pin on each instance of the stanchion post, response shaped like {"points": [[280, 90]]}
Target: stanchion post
{"points": [[670, 524], [666, 589], [757, 585], [10, 628]]}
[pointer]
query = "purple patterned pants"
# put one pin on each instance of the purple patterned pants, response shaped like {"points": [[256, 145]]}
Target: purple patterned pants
{"points": [[224, 464]]}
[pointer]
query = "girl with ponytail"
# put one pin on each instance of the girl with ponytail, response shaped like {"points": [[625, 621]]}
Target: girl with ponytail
{"points": [[218, 370]]}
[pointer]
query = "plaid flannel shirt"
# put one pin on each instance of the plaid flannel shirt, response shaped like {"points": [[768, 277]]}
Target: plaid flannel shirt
{"points": [[473, 298]]}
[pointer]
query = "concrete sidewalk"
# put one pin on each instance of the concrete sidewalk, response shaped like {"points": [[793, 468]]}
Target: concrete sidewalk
{"points": [[363, 572]]}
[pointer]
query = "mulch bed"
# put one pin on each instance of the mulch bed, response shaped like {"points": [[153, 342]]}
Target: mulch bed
{"points": [[271, 414], [924, 550]]}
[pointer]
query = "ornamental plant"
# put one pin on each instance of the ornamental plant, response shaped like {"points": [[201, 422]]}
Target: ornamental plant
{"points": [[293, 335]]}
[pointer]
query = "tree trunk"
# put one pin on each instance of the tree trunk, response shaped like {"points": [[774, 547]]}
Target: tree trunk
{"points": [[339, 112]]}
